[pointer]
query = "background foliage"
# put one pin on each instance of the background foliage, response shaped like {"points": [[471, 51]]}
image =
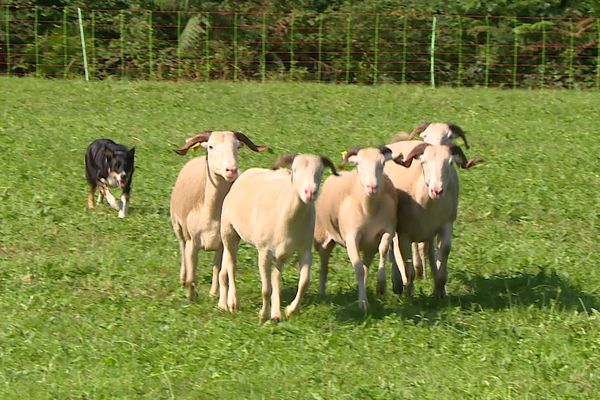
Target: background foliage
{"points": [[499, 43]]}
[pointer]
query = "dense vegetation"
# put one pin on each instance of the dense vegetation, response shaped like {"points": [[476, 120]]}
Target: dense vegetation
{"points": [[497, 43], [90, 304]]}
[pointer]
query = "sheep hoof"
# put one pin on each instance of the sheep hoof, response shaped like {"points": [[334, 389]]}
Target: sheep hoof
{"points": [[397, 288], [363, 305], [289, 310], [409, 289], [420, 272], [232, 304], [192, 295], [440, 292], [223, 305], [381, 288]]}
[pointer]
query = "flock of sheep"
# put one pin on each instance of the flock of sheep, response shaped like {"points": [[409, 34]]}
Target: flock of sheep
{"points": [[400, 194]]}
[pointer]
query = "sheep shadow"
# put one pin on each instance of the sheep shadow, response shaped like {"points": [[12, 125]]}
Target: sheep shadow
{"points": [[543, 289]]}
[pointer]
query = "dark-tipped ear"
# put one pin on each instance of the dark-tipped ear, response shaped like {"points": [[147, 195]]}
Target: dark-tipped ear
{"points": [[284, 161], [132, 151], [462, 159], [414, 153], [246, 140], [418, 130], [458, 132], [328, 163], [386, 152], [194, 140]]}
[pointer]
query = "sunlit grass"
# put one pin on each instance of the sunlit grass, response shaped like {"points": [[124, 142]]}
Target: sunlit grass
{"points": [[90, 304]]}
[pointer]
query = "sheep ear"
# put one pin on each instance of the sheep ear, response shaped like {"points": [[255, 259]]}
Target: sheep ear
{"points": [[246, 140], [284, 161], [386, 152], [461, 159], [415, 153], [456, 131], [353, 160], [399, 137], [193, 142], [347, 155], [418, 130], [328, 163]]}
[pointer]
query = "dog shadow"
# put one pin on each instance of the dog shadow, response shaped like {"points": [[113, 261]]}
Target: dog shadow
{"points": [[543, 289]]}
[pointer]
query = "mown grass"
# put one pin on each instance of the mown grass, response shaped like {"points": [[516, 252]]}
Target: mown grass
{"points": [[90, 305]]}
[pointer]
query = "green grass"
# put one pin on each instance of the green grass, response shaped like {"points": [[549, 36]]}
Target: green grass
{"points": [[90, 305]]}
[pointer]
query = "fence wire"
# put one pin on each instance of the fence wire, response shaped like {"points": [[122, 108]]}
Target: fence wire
{"points": [[345, 48]]}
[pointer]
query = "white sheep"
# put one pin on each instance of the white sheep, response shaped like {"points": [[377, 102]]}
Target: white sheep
{"points": [[358, 211], [432, 133], [197, 198], [275, 212], [427, 207]]}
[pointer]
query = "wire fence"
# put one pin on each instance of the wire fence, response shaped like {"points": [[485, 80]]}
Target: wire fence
{"points": [[331, 47]]}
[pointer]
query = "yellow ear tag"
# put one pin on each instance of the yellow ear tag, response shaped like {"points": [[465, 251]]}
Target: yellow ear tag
{"points": [[195, 147], [344, 155]]}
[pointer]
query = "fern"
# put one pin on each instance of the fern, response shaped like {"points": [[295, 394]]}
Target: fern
{"points": [[191, 33]]}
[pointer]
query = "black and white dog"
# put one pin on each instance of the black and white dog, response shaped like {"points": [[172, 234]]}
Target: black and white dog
{"points": [[109, 164]]}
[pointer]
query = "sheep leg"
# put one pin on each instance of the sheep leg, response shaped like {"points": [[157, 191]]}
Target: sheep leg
{"points": [[227, 293], [418, 254], [304, 263], [217, 261], [359, 269], [407, 270], [431, 257], [275, 284], [264, 267], [182, 256], [384, 246], [395, 258], [191, 260], [324, 254], [441, 273]]}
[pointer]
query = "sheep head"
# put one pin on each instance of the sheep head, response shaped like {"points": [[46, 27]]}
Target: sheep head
{"points": [[439, 133], [221, 150], [369, 165], [307, 170], [436, 162]]}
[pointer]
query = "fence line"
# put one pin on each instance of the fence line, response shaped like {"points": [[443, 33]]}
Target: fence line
{"points": [[329, 47]]}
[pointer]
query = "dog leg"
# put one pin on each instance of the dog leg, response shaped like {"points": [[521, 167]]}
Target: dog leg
{"points": [[111, 199], [124, 205], [91, 197]]}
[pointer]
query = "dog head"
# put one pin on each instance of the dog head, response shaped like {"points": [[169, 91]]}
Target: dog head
{"points": [[120, 166]]}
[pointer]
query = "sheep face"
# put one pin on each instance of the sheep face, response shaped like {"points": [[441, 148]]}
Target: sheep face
{"points": [[306, 176], [369, 165], [222, 153], [437, 163]]}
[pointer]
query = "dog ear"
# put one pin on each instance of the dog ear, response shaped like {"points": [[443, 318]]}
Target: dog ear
{"points": [[132, 151], [108, 154]]}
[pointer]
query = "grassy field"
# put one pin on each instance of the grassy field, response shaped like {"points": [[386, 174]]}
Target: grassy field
{"points": [[90, 305]]}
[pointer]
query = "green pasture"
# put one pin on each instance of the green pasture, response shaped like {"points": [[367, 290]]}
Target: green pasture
{"points": [[90, 305]]}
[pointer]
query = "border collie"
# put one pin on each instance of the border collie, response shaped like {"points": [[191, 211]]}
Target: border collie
{"points": [[108, 164]]}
